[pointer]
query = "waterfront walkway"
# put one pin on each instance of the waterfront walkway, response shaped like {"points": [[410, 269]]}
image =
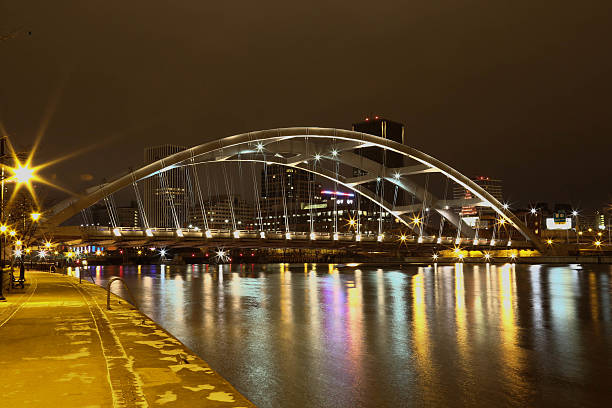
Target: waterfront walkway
{"points": [[59, 346]]}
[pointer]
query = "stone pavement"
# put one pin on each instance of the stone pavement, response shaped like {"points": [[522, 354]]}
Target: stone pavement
{"points": [[60, 347]]}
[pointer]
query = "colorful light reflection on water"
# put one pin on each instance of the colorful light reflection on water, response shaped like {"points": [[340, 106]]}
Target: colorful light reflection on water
{"points": [[306, 335]]}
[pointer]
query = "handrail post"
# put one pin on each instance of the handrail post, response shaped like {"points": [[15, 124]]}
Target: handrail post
{"points": [[108, 286]]}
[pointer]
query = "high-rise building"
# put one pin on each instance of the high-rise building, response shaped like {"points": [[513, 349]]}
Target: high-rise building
{"points": [[164, 190], [472, 213], [386, 129], [288, 186], [223, 211]]}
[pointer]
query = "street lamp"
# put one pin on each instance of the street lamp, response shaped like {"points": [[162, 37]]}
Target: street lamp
{"points": [[35, 216]]}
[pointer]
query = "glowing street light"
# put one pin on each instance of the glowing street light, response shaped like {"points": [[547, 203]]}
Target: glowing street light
{"points": [[35, 216], [22, 174], [533, 211], [597, 243], [12, 233], [435, 257], [3, 229]]}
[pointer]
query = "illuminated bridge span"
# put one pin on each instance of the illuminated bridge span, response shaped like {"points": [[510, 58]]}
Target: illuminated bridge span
{"points": [[415, 194]]}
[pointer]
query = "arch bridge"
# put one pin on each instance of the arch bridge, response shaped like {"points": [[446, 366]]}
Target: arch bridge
{"points": [[402, 203]]}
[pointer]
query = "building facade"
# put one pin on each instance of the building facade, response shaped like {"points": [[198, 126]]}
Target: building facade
{"points": [[164, 190]]}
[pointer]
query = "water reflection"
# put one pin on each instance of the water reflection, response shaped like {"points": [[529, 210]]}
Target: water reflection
{"points": [[339, 335]]}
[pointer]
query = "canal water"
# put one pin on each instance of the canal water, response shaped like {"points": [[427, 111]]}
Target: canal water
{"points": [[306, 335]]}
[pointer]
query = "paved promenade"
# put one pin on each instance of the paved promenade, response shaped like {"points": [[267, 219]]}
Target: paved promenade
{"points": [[60, 347]]}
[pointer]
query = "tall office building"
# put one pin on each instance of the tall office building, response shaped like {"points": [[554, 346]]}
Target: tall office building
{"points": [[387, 129], [165, 189], [492, 186]]}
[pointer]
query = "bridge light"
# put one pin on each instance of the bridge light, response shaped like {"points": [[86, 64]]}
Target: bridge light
{"points": [[597, 243], [236, 234], [42, 254], [18, 242], [148, 232], [506, 206], [380, 237], [35, 216], [262, 235], [162, 252], [208, 233], [17, 253], [12, 233], [397, 176], [492, 242], [358, 237], [513, 255], [313, 236], [116, 232], [533, 211], [435, 257], [334, 152], [439, 240], [549, 241], [317, 157], [179, 233], [3, 229], [574, 213], [487, 256], [287, 235], [475, 242], [260, 146], [509, 243], [47, 244], [336, 236]]}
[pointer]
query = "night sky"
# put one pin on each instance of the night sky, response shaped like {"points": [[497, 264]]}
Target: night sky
{"points": [[518, 90]]}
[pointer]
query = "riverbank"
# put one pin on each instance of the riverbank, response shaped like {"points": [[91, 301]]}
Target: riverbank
{"points": [[60, 346]]}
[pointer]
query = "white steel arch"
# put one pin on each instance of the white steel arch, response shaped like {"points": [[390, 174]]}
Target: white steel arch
{"points": [[291, 141]]}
